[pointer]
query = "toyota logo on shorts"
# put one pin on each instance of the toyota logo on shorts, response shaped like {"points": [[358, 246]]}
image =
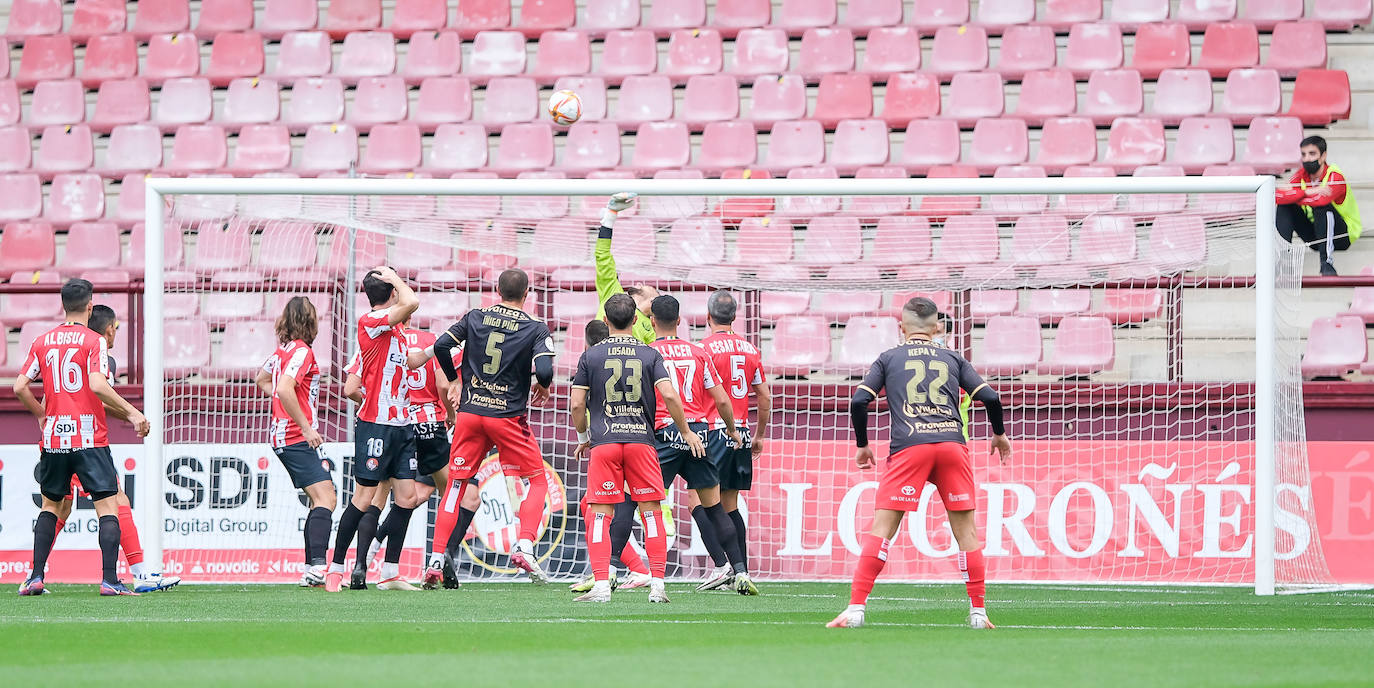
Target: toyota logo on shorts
{"points": [[908, 490], [608, 485]]}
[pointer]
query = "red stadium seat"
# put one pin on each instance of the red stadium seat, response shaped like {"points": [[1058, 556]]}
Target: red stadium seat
{"points": [[1040, 240], [825, 51], [832, 240], [760, 51], [864, 339], [91, 246], [968, 239], [1012, 205], [1063, 14], [328, 148], [901, 240], [1026, 49], [1160, 47], [1079, 205], [1011, 346], [727, 144], [1197, 15], [303, 54], [1251, 93], [9, 103], [280, 17], [378, 100], [1335, 346], [1083, 345], [457, 147], [839, 306], [561, 53], [1227, 46], [34, 18], [698, 241], [94, 18], [75, 198], [1135, 141], [1320, 96], [475, 16], [891, 50], [1177, 242], [590, 146], [538, 16], [57, 102], [442, 100], [781, 98], [698, 51], [661, 145], [1203, 141], [974, 96], [872, 208], [858, 143], [314, 101], [929, 143], [184, 101], [932, 15], [235, 55], [1146, 205], [1093, 47], [1296, 46], [525, 147], [21, 308], [171, 56], [432, 54], [45, 58], [21, 196], [343, 16], [710, 98], [798, 15], [865, 16], [910, 96], [801, 344], [16, 149], [27, 246], [843, 96], [250, 101], [109, 57], [1265, 14], [795, 144], [627, 53], [1131, 306], [999, 141], [367, 53], [261, 148], [161, 16], [497, 53], [1182, 93], [410, 17], [1113, 93], [1271, 143], [121, 101], [592, 91], [958, 49], [391, 148], [761, 241], [510, 100], [1342, 15], [644, 99], [64, 149], [1047, 94]]}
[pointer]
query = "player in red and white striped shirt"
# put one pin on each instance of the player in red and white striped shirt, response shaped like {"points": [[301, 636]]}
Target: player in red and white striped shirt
{"points": [[71, 361]]}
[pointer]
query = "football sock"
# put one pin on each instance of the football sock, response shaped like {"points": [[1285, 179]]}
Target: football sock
{"points": [[348, 527], [599, 546], [532, 508], [455, 540], [870, 565], [399, 519], [729, 539], [317, 524], [60, 525], [620, 527], [367, 530], [109, 548], [44, 534], [632, 561], [655, 542], [128, 540], [974, 569], [446, 517], [390, 569], [741, 537], [710, 534]]}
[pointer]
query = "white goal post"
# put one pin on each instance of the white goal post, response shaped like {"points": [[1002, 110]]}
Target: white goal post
{"points": [[1273, 386]]}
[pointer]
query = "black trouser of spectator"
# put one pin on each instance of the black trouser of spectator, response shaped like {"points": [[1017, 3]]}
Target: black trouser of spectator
{"points": [[1325, 232]]}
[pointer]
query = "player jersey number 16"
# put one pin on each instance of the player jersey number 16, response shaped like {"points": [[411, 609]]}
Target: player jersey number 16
{"points": [[635, 370], [918, 375], [70, 375]]}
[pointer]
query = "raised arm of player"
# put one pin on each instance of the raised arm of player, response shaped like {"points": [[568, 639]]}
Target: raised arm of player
{"points": [[674, 404], [607, 278], [764, 393], [286, 391], [406, 301], [443, 348]]}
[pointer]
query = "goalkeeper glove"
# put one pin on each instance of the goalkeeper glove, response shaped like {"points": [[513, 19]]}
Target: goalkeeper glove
{"points": [[621, 201]]}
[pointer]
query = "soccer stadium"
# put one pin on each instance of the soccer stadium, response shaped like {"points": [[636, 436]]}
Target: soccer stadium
{"points": [[1008, 342]]}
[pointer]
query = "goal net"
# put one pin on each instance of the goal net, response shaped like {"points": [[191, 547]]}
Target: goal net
{"points": [[1143, 333]]}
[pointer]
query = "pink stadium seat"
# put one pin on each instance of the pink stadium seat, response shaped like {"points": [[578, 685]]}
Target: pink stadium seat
{"points": [[997, 17], [1046, 94], [561, 53], [760, 51], [27, 246], [1040, 240], [967, 239], [1203, 141], [457, 147], [316, 100], [864, 339], [250, 101], [838, 306], [932, 15], [1130, 306], [610, 15], [667, 15], [57, 102], [525, 147], [1342, 15], [1026, 48], [432, 54], [798, 15], [1271, 143], [1079, 205], [410, 17], [910, 96], [901, 239], [184, 101], [1133, 12], [732, 15], [1012, 205], [999, 141], [538, 16], [825, 51], [775, 305], [222, 246], [171, 56], [761, 241], [779, 98], [626, 53], [247, 343], [891, 49], [391, 148], [590, 146], [1227, 46], [416, 254], [223, 307], [661, 145], [1296, 46], [470, 207], [44, 58], [801, 344], [497, 53], [1230, 203], [1159, 47], [697, 51], [858, 143], [1362, 301], [344, 16], [476, 16], [109, 57], [870, 208], [592, 91], [973, 96], [284, 16], [328, 148], [864, 16], [1146, 205], [727, 144], [129, 206], [1083, 345], [91, 246], [34, 17], [1251, 93], [573, 309], [75, 198], [1199, 14], [1113, 93], [303, 54], [442, 100], [225, 15], [1335, 346], [21, 196], [21, 308], [929, 143], [831, 240], [172, 247], [367, 53], [1265, 14], [710, 98], [1320, 96], [9, 103], [162, 16], [644, 99], [699, 241], [1135, 141], [795, 144], [591, 207], [733, 209], [379, 100], [1177, 242], [1182, 93], [235, 55], [64, 149], [843, 96], [186, 349], [1063, 14], [370, 249], [1093, 47], [16, 149], [958, 49], [261, 148], [1011, 346], [93, 18]]}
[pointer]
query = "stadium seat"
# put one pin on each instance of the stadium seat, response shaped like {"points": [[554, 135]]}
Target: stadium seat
{"points": [[57, 102], [871, 208], [1341, 15], [344, 16], [610, 15], [1011, 346], [222, 246], [825, 51], [172, 247], [762, 241], [109, 57], [795, 144], [1113, 93], [1265, 14], [328, 148], [378, 100], [224, 16], [798, 15], [16, 149], [476, 16], [901, 240], [710, 98], [929, 16], [1320, 97], [858, 143], [1335, 346], [184, 101], [998, 141], [391, 148], [1362, 300], [171, 56], [27, 246], [21, 196], [1135, 141], [235, 55], [1250, 93], [1227, 46], [1296, 46], [1160, 47], [864, 339], [1093, 47], [1013, 205], [1203, 141], [1271, 143], [929, 143], [1130, 306], [1182, 93], [497, 53], [417, 254], [697, 241], [958, 49], [1177, 242], [725, 145], [186, 347], [778, 98], [1147, 205], [805, 208], [1083, 345], [908, 97], [831, 241], [1198, 15], [78, 197], [250, 101], [457, 147], [865, 16], [698, 51], [801, 344], [411, 17], [92, 19], [668, 208], [432, 54], [974, 96], [732, 15], [891, 50], [34, 18], [561, 53], [590, 146], [248, 342], [315, 100], [442, 100], [9, 103], [19, 309], [1039, 240], [627, 53], [129, 203], [997, 17], [591, 90], [1230, 203], [843, 96], [1047, 94], [1026, 48], [280, 17], [121, 101], [222, 306], [469, 207], [90, 246], [667, 15], [839, 306], [161, 16], [539, 16], [303, 54], [369, 249], [45, 58], [1079, 205], [261, 148], [1130, 13], [524, 146], [760, 51], [661, 145], [967, 239], [64, 149], [366, 53], [644, 99], [1063, 14]]}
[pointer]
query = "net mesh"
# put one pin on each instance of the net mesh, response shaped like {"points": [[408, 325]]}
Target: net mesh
{"points": [[1119, 329]]}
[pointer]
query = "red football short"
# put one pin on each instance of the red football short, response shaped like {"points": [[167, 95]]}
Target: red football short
{"points": [[615, 465], [474, 436], [946, 465]]}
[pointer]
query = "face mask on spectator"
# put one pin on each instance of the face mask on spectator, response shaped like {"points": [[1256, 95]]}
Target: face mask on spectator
{"points": [[1312, 166]]}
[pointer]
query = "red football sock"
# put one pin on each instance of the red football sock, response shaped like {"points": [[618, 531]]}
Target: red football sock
{"points": [[630, 558], [532, 508], [60, 525], [655, 542], [446, 518], [974, 569], [128, 537], [599, 545], [871, 564]]}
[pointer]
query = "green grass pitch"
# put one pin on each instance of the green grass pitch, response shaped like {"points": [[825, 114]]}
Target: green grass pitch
{"points": [[535, 636]]}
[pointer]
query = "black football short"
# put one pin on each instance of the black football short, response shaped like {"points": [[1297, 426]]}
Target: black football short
{"points": [[431, 451], [674, 458], [93, 466], [383, 452], [736, 464], [305, 465]]}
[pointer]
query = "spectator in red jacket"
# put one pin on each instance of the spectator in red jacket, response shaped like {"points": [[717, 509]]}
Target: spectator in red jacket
{"points": [[1317, 206]]}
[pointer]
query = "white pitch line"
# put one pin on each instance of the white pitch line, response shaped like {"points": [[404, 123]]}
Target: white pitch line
{"points": [[1049, 603]]}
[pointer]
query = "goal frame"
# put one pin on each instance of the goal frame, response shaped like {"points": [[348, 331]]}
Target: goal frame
{"points": [[1261, 187]]}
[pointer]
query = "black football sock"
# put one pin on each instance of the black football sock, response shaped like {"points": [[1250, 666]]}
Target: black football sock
{"points": [[387, 529], [709, 533], [367, 530], [729, 539], [455, 541], [44, 535], [399, 519], [348, 527], [317, 535], [741, 537], [621, 524], [109, 547]]}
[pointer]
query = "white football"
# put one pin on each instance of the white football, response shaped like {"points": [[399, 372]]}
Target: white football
{"points": [[565, 107]]}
